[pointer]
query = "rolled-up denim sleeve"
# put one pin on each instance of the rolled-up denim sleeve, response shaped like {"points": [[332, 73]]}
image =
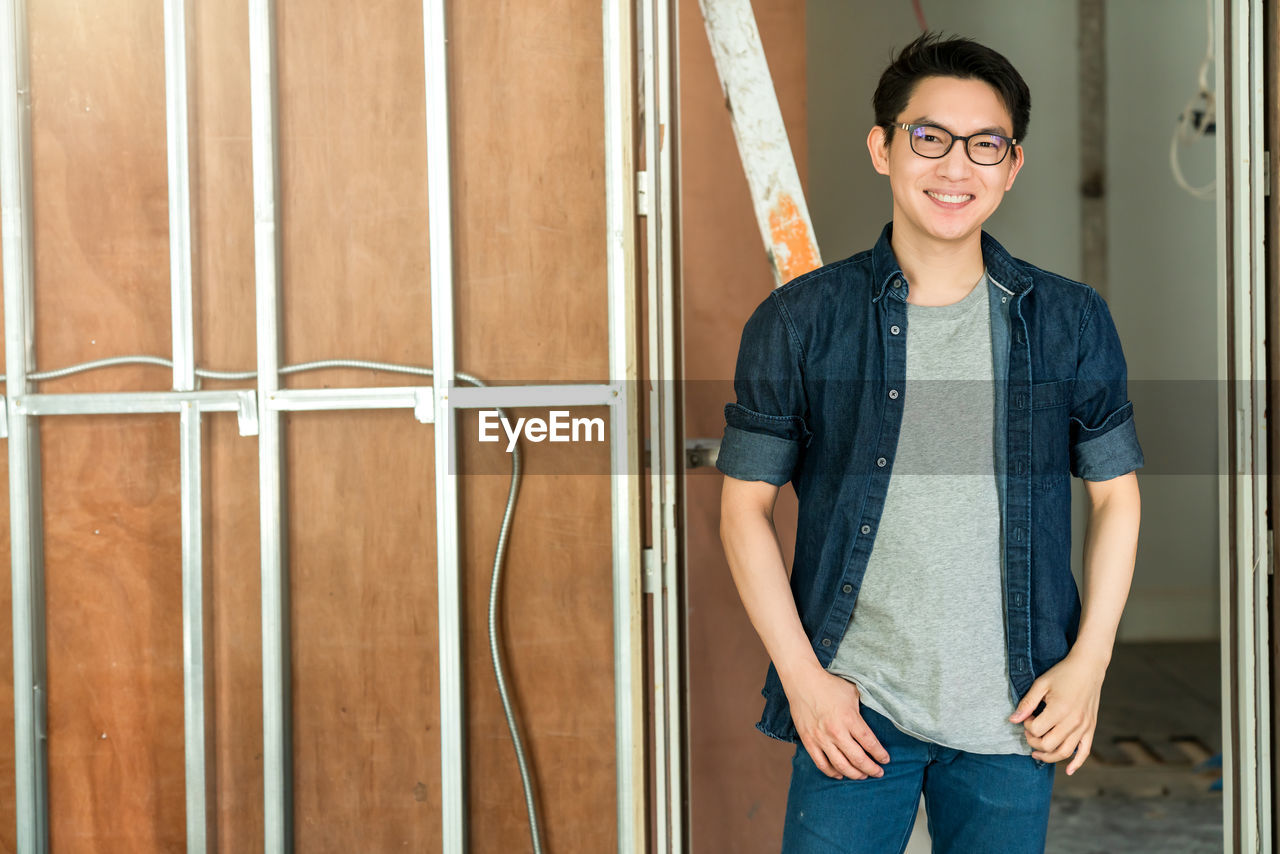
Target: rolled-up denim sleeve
{"points": [[765, 429], [1104, 438]]}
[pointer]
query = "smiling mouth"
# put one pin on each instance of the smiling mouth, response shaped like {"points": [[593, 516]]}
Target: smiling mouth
{"points": [[950, 198]]}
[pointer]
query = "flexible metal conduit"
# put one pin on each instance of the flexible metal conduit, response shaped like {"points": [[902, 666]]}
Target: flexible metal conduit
{"points": [[495, 584]]}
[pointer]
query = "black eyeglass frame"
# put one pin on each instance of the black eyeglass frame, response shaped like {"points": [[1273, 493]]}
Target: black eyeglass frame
{"points": [[965, 139]]}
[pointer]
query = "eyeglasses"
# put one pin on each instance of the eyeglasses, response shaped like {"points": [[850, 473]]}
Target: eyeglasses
{"points": [[985, 149]]}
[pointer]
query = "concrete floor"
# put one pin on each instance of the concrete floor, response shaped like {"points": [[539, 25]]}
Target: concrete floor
{"points": [[1139, 790]]}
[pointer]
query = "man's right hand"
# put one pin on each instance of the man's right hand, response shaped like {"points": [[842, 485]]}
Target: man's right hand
{"points": [[824, 709]]}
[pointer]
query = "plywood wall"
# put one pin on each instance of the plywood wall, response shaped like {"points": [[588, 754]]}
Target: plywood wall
{"points": [[527, 111], [738, 777]]}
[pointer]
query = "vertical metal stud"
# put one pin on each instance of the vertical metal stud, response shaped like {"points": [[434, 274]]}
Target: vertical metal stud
{"points": [[620, 204], [195, 733], [176, 115], [195, 705], [32, 808], [655, 181], [449, 601], [276, 729], [671, 442]]}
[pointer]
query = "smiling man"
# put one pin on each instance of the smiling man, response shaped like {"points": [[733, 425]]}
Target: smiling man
{"points": [[928, 399]]}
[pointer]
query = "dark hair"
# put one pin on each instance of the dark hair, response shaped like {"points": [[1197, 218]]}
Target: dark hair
{"points": [[929, 55]]}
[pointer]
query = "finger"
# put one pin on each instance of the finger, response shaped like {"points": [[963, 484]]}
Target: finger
{"points": [[820, 760], [1054, 740], [859, 758], [1082, 753], [1042, 723], [843, 761], [1029, 701], [867, 740], [1056, 749]]}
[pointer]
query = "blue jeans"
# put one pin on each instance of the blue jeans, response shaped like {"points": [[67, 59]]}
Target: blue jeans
{"points": [[975, 802]]}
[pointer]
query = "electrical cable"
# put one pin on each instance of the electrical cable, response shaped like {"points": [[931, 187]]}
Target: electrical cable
{"points": [[1191, 128], [495, 584]]}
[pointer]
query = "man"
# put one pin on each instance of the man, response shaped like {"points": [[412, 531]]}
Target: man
{"points": [[928, 398]]}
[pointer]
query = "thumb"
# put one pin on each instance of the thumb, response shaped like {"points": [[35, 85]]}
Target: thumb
{"points": [[1029, 702]]}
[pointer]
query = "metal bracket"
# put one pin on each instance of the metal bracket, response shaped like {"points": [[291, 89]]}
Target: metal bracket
{"points": [[642, 193], [649, 563], [701, 452], [247, 412], [424, 405]]}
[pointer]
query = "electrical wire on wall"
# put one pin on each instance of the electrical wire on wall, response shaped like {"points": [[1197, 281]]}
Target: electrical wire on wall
{"points": [[1196, 120], [495, 585]]}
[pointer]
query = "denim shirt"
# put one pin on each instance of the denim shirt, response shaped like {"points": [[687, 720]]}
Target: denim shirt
{"points": [[819, 382]]}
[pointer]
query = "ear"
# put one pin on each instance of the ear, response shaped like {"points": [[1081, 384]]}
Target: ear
{"points": [[877, 144], [1017, 165]]}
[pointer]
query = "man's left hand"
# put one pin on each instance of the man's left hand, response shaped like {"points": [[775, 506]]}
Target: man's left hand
{"points": [[1071, 690]]}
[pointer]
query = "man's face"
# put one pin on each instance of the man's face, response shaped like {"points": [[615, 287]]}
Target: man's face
{"points": [[973, 191]]}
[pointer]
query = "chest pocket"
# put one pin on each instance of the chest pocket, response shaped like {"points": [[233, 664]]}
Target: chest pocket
{"points": [[1052, 393], [1050, 434]]}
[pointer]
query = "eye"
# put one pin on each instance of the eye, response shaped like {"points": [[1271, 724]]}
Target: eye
{"points": [[994, 142]]}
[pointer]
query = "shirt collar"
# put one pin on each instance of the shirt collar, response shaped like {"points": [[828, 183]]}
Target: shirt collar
{"points": [[1003, 267]]}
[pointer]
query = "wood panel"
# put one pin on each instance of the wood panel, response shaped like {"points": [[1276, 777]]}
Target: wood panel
{"points": [[353, 187], [221, 155], [113, 588], [113, 566], [528, 143], [531, 306], [234, 636], [360, 497], [99, 185], [365, 686], [556, 625], [737, 777], [527, 89], [221, 160], [527, 93]]}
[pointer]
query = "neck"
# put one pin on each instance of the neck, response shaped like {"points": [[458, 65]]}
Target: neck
{"points": [[938, 272]]}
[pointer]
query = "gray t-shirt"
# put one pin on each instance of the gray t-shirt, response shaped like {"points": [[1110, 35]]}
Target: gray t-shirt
{"points": [[926, 642]]}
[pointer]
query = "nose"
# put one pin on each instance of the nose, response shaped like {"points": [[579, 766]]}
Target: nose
{"points": [[955, 163]]}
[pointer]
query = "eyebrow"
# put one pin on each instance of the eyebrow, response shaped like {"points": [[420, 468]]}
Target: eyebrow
{"points": [[925, 120]]}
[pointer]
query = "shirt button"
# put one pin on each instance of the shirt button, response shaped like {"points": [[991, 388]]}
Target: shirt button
{"points": [[826, 641], [866, 529], [1004, 299], [848, 588], [893, 393], [881, 462], [897, 283], [894, 329]]}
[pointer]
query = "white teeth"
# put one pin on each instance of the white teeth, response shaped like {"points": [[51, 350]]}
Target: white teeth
{"points": [[953, 199]]}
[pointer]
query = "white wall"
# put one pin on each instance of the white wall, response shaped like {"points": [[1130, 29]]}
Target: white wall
{"points": [[1162, 241]]}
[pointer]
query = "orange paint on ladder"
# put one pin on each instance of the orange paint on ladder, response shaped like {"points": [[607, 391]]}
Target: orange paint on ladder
{"points": [[793, 248]]}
